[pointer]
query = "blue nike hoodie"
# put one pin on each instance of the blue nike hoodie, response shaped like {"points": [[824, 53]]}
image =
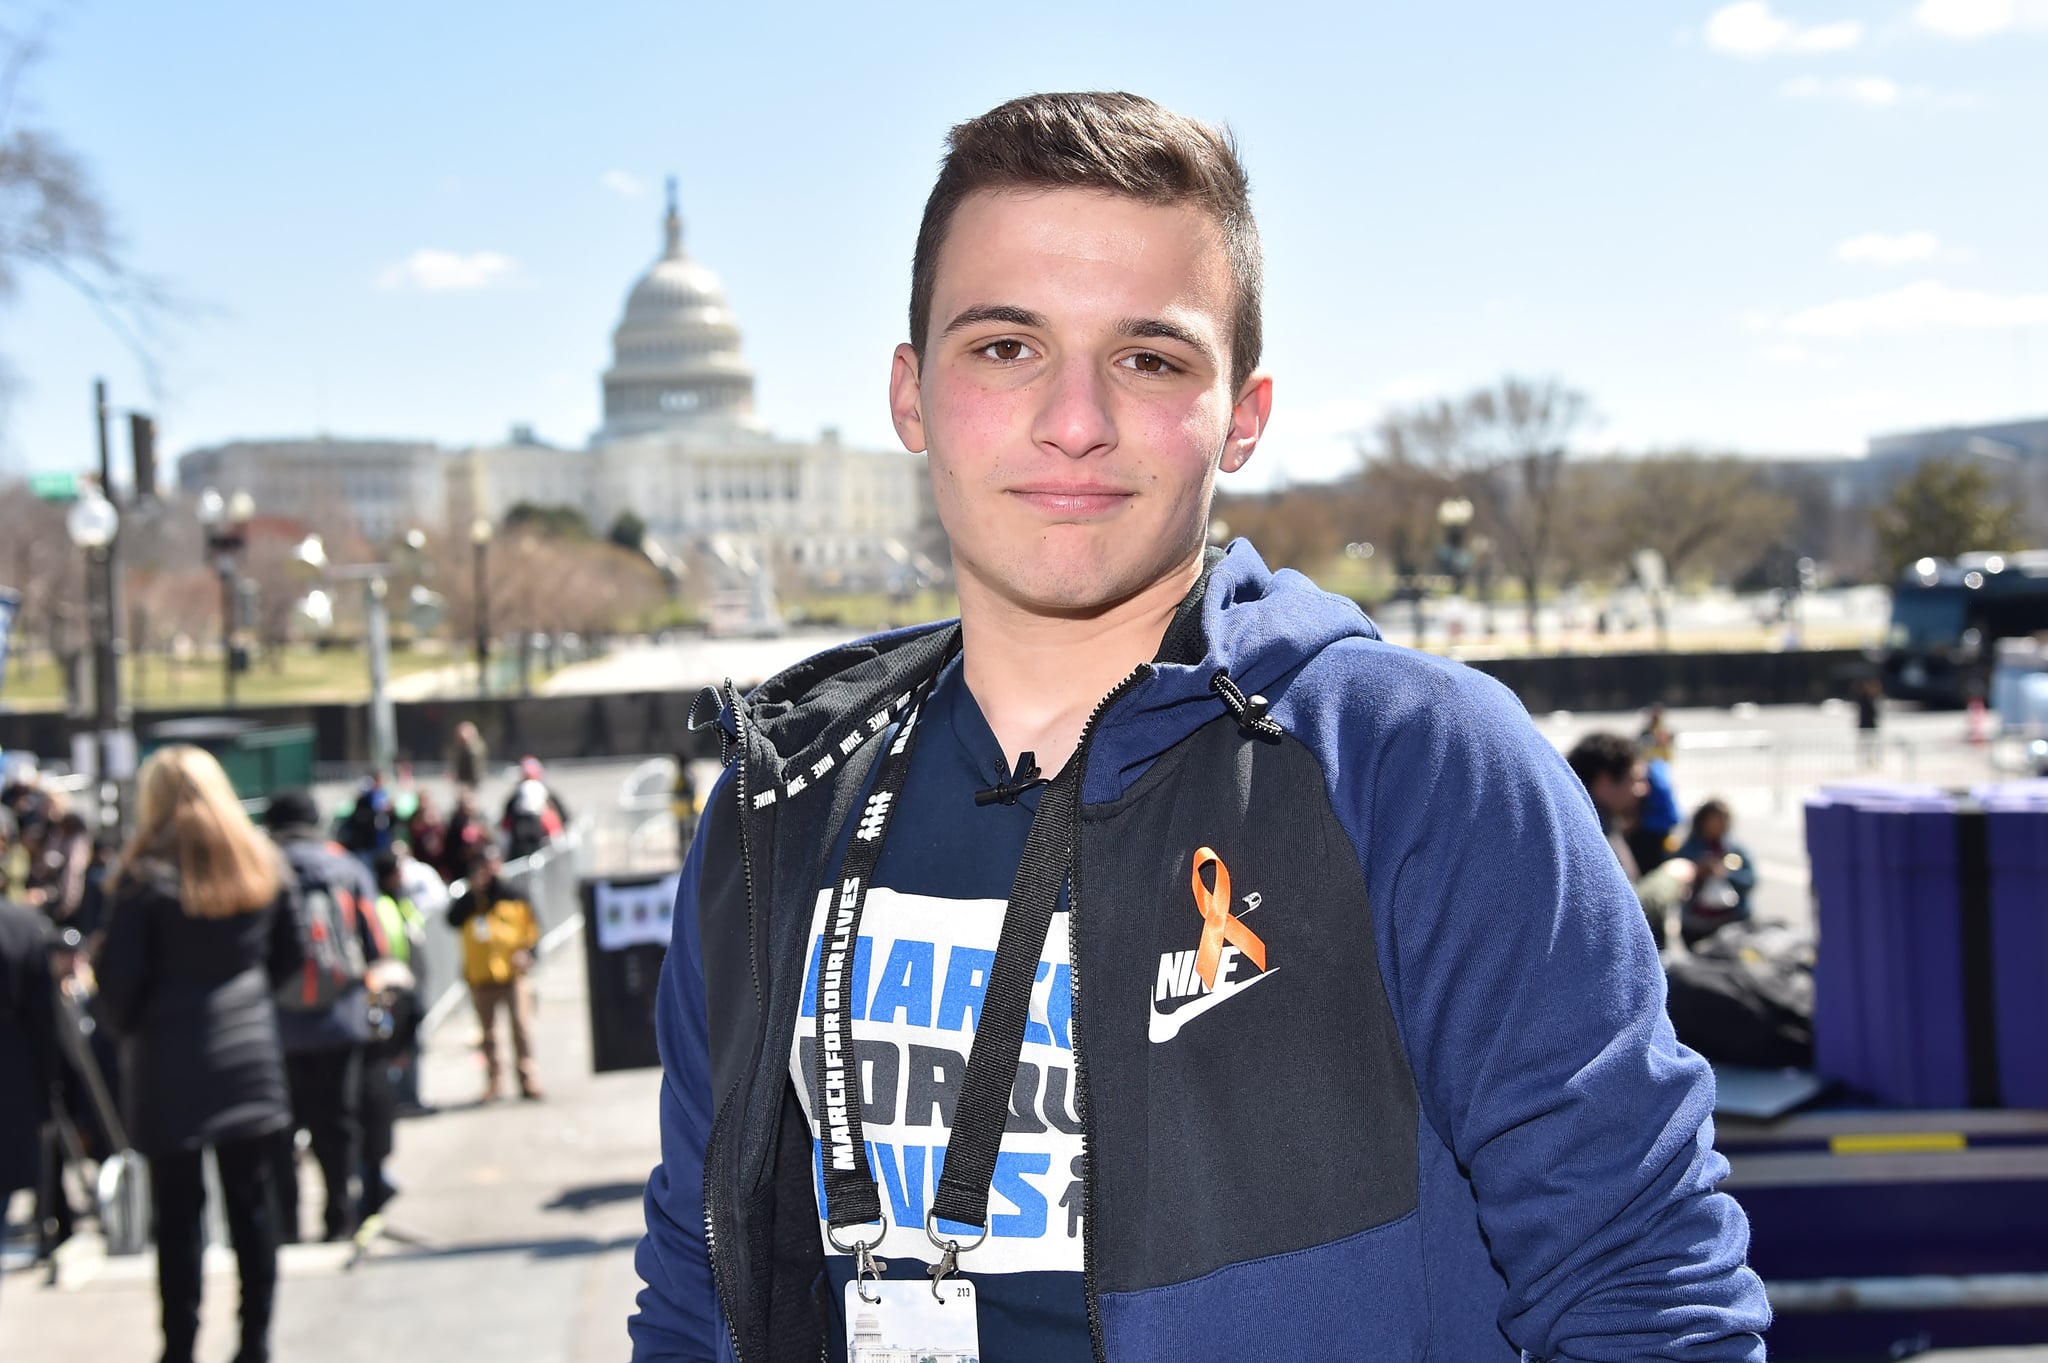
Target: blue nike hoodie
{"points": [[1455, 1125]]}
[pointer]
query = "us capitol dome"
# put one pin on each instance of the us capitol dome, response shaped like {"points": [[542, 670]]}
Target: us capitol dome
{"points": [[676, 362], [682, 449]]}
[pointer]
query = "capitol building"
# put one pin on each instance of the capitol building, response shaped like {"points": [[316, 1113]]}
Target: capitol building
{"points": [[681, 447]]}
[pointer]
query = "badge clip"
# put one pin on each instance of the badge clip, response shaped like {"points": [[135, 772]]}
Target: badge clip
{"points": [[950, 1251], [866, 1266]]}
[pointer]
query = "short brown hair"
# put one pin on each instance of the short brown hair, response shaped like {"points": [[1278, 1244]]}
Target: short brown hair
{"points": [[1120, 144]]}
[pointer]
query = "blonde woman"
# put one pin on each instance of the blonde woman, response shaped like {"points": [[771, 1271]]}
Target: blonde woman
{"points": [[200, 931]]}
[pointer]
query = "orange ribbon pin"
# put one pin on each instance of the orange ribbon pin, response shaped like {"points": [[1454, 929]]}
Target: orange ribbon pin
{"points": [[1219, 924]]}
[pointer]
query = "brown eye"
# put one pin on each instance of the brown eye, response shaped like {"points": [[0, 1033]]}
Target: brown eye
{"points": [[1145, 362], [1004, 350]]}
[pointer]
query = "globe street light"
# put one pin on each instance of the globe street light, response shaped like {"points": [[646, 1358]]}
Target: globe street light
{"points": [[480, 540], [225, 522], [309, 560], [92, 522]]}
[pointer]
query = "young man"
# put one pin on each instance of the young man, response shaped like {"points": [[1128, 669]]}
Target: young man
{"points": [[1302, 1014]]}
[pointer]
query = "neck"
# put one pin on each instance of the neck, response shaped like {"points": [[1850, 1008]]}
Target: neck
{"points": [[1037, 677]]}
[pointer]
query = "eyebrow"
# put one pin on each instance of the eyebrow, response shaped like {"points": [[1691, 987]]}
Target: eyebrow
{"points": [[994, 312], [1159, 329]]}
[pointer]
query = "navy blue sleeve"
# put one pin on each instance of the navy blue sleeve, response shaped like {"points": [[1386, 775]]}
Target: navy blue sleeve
{"points": [[1531, 1004], [678, 1316]]}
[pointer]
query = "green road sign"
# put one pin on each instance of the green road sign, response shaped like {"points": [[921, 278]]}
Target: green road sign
{"points": [[54, 487]]}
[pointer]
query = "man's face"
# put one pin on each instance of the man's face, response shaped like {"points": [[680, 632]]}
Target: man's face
{"points": [[1620, 796], [1074, 395]]}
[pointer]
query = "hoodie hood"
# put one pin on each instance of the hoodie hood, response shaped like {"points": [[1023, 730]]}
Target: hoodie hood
{"points": [[1258, 627], [824, 707]]}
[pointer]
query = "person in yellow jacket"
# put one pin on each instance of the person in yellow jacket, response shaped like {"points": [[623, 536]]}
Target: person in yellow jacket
{"points": [[500, 933]]}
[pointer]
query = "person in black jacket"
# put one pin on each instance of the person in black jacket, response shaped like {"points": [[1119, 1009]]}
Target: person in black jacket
{"points": [[27, 1048], [200, 931], [325, 1038]]}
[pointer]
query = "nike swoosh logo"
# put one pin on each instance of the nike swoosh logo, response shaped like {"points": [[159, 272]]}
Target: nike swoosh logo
{"points": [[1166, 1026]]}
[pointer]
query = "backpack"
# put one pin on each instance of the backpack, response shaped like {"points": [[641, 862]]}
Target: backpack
{"points": [[334, 957], [1745, 997]]}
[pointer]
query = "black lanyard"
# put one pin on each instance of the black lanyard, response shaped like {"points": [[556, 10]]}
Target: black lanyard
{"points": [[983, 1107]]}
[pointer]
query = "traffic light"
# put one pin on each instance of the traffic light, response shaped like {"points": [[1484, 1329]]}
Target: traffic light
{"points": [[142, 436]]}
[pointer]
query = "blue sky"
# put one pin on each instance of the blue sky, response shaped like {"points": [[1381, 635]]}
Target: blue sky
{"points": [[1773, 228]]}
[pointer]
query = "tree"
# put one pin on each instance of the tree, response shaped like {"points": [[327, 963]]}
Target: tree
{"points": [[1699, 511], [38, 560], [628, 531], [553, 522], [1504, 447], [1944, 508], [1298, 527], [52, 217]]}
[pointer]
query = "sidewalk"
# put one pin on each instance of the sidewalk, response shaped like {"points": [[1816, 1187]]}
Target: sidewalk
{"points": [[512, 1238]]}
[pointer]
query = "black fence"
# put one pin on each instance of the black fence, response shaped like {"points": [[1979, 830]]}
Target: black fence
{"points": [[549, 727], [556, 727], [1630, 681]]}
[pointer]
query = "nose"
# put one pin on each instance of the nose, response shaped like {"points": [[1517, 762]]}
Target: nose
{"points": [[1075, 417]]}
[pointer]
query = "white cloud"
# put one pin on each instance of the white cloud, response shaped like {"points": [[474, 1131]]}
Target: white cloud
{"points": [[1925, 306], [1875, 248], [1969, 20], [622, 184], [1873, 90], [430, 271], [1750, 29]]}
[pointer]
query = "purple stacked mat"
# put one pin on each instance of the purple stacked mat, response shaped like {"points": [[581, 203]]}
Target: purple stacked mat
{"points": [[1931, 983]]}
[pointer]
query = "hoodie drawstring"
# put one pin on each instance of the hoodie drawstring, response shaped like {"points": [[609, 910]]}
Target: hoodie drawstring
{"points": [[1250, 711]]}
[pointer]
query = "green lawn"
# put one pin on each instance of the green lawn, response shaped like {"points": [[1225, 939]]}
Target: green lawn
{"points": [[296, 675], [870, 610]]}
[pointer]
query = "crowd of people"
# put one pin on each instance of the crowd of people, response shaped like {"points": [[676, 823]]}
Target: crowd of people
{"points": [[253, 989], [1737, 991], [1701, 876]]}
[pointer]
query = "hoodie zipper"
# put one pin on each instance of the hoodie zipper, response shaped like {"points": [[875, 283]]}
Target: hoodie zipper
{"points": [[1137, 674], [711, 1241]]}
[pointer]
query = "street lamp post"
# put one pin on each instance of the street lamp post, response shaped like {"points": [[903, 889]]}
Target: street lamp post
{"points": [[226, 524], [92, 524], [480, 542], [310, 559]]}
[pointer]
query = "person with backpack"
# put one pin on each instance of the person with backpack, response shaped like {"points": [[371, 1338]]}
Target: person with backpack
{"points": [[324, 1010], [534, 815], [200, 932], [500, 934]]}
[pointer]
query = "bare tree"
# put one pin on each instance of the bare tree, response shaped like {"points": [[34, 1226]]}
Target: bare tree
{"points": [[52, 216], [1505, 448], [38, 560], [1699, 511], [1401, 483]]}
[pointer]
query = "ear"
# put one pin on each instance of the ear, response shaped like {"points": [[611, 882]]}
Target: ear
{"points": [[906, 399], [1248, 421]]}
